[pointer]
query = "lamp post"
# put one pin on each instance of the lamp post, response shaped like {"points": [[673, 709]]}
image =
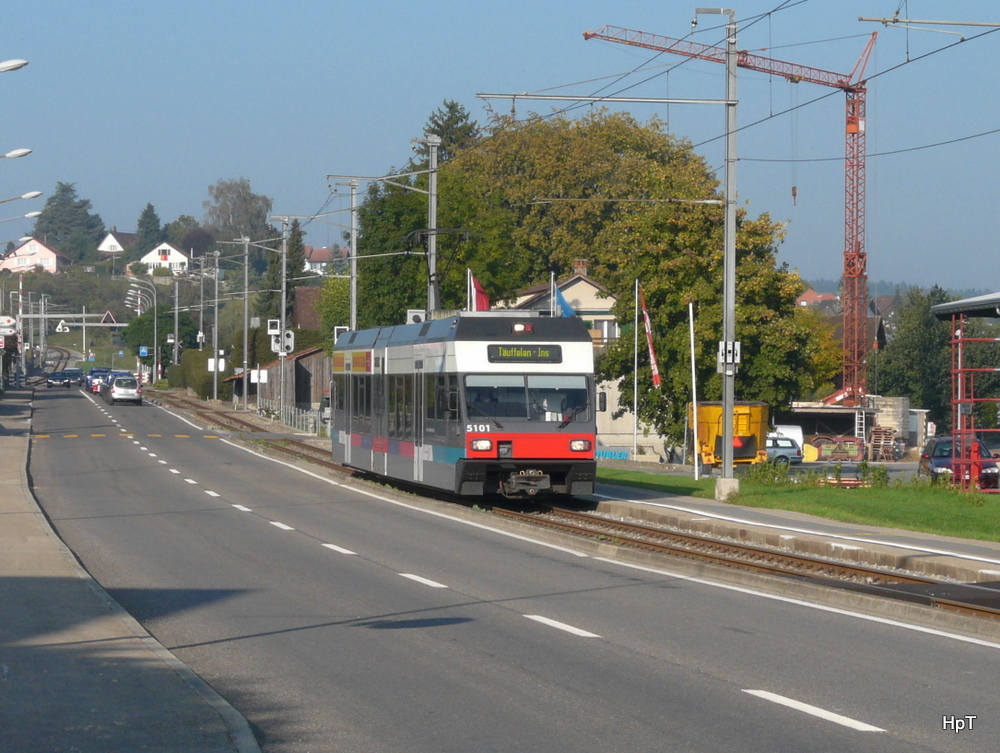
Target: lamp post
{"points": [[139, 285]]}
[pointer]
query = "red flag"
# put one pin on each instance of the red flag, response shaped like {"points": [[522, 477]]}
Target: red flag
{"points": [[480, 301], [649, 339]]}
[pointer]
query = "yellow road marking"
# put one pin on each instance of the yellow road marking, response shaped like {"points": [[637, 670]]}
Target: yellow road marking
{"points": [[70, 436], [98, 435], [183, 436]]}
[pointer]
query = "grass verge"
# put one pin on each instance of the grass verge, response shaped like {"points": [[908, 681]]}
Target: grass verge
{"points": [[914, 506]]}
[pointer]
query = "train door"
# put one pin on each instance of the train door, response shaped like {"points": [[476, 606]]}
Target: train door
{"points": [[339, 403], [379, 426], [418, 421]]}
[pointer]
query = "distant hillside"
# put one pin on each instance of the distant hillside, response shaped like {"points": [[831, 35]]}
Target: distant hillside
{"points": [[882, 287]]}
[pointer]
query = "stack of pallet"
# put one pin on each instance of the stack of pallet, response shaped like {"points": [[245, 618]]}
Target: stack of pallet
{"points": [[880, 443]]}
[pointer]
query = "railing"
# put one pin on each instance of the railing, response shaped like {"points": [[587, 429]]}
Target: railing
{"points": [[307, 421]]}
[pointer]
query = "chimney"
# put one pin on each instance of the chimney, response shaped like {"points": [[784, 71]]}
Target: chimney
{"points": [[580, 267]]}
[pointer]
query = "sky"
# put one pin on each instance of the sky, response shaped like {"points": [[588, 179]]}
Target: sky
{"points": [[140, 102]]}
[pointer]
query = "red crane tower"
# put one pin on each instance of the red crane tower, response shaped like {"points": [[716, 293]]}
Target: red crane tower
{"points": [[855, 257]]}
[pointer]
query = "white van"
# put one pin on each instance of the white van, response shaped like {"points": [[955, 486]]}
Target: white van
{"points": [[792, 432]]}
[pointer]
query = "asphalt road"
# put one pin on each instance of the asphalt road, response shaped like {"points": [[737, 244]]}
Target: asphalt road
{"points": [[337, 620]]}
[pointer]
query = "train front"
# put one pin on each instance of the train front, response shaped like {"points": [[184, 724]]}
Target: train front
{"points": [[528, 400]]}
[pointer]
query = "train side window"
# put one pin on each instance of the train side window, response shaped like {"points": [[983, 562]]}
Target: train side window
{"points": [[408, 405], [452, 397], [431, 409], [391, 407]]}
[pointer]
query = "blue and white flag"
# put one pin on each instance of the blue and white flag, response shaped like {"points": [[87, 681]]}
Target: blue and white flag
{"points": [[564, 308]]}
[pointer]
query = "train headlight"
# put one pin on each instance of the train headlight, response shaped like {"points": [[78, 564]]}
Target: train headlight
{"points": [[579, 445], [482, 445]]}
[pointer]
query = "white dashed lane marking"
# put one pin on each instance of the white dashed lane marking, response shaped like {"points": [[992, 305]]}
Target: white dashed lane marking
{"points": [[561, 626], [424, 581], [340, 549], [814, 711]]}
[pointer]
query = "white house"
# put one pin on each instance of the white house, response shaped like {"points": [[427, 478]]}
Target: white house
{"points": [[167, 256], [34, 254], [588, 298], [115, 243], [319, 260]]}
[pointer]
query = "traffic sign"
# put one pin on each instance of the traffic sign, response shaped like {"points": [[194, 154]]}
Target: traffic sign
{"points": [[8, 330], [143, 351], [61, 327], [7, 321], [2, 343]]}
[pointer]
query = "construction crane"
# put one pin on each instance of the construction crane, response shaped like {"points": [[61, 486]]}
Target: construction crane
{"points": [[855, 301]]}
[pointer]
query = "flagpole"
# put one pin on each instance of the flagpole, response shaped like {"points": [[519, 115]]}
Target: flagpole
{"points": [[694, 395], [635, 376], [552, 293], [468, 289]]}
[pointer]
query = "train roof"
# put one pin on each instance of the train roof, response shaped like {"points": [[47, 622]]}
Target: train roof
{"points": [[480, 326]]}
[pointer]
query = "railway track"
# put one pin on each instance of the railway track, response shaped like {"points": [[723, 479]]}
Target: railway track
{"points": [[282, 444], [968, 599]]}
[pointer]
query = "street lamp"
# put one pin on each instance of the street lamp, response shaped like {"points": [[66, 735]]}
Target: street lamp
{"points": [[28, 216], [12, 65], [29, 195], [138, 286]]}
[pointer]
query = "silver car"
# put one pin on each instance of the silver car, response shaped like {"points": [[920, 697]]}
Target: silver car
{"points": [[783, 451], [123, 388]]}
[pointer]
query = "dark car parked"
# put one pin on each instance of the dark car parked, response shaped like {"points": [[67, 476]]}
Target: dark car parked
{"points": [[95, 376], [936, 462], [58, 379], [75, 375]]}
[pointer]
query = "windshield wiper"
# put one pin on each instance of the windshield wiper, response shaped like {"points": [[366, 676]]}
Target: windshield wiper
{"points": [[487, 416], [573, 414]]}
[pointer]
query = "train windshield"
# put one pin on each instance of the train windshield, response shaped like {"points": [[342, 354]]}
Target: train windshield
{"points": [[560, 398]]}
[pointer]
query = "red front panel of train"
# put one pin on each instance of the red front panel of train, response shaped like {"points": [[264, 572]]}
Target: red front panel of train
{"points": [[531, 446]]}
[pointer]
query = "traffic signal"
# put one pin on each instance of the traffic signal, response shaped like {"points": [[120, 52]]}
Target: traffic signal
{"points": [[288, 341]]}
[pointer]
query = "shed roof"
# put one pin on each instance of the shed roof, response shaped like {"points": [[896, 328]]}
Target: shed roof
{"points": [[981, 305]]}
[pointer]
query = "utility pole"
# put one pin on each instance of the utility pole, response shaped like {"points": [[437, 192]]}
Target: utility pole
{"points": [[246, 317], [729, 485], [433, 294], [215, 334], [177, 309], [284, 282], [354, 254]]}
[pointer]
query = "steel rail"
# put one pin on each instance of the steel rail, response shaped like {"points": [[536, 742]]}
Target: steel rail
{"points": [[760, 559]]}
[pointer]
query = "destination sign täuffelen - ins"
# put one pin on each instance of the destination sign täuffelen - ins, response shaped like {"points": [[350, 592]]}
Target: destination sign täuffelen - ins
{"points": [[527, 353]]}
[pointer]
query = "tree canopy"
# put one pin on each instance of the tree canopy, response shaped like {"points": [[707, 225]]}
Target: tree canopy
{"points": [[525, 200], [67, 224], [150, 233], [235, 211]]}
